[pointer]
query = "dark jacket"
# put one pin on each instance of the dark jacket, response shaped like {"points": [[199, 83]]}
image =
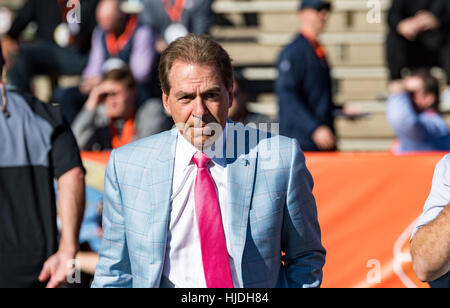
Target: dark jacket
{"points": [[304, 92], [48, 15], [402, 9], [197, 16]]}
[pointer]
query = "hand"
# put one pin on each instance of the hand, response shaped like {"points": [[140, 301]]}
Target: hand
{"points": [[10, 48], [409, 28], [324, 138], [426, 21], [412, 84], [97, 96], [88, 84], [57, 268], [353, 112]]}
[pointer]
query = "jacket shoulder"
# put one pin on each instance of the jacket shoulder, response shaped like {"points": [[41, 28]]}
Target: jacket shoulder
{"points": [[144, 148], [294, 47], [278, 151]]}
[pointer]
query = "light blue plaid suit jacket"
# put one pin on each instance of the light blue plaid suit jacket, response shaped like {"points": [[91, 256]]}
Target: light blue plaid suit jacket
{"points": [[271, 206]]}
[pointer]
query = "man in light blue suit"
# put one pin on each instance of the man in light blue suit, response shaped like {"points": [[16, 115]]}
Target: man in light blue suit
{"points": [[153, 234]]}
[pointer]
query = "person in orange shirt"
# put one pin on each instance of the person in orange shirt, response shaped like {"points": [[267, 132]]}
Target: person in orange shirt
{"points": [[110, 117]]}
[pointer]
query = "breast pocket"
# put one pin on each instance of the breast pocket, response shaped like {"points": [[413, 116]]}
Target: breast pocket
{"points": [[266, 216]]}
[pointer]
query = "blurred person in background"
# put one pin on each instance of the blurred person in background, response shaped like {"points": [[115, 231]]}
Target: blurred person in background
{"points": [[238, 111], [61, 45], [304, 86], [118, 40], [111, 118], [172, 19], [418, 38], [430, 240], [37, 146], [413, 114]]}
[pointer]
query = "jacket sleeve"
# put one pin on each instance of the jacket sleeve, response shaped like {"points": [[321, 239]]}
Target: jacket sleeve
{"points": [[23, 18], [290, 75], [301, 237], [143, 54], [395, 14], [113, 269], [406, 123], [440, 9], [96, 56], [202, 18]]}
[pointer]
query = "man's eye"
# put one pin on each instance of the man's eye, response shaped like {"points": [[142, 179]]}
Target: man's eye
{"points": [[211, 96], [184, 99]]}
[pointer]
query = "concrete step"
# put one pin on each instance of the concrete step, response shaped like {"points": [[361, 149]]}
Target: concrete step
{"points": [[270, 73], [12, 4], [365, 145], [338, 22], [351, 83], [267, 6], [373, 126], [281, 16], [245, 54], [249, 48]]}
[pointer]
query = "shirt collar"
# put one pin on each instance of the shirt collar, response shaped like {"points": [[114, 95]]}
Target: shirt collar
{"points": [[185, 150], [314, 42]]}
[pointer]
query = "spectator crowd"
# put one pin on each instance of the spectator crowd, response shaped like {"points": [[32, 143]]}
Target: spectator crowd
{"points": [[118, 99]]}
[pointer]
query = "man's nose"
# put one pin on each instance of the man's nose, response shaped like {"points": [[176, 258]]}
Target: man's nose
{"points": [[199, 107]]}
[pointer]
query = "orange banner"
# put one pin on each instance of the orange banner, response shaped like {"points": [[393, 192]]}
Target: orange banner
{"points": [[367, 204]]}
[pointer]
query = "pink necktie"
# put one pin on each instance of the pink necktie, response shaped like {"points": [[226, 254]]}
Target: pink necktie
{"points": [[212, 237]]}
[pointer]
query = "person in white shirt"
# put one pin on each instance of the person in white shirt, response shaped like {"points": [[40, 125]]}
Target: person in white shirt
{"points": [[430, 241]]}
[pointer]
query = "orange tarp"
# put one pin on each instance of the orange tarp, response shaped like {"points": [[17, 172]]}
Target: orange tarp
{"points": [[367, 205]]}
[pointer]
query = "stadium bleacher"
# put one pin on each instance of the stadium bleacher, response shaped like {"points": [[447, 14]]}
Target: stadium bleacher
{"points": [[354, 40]]}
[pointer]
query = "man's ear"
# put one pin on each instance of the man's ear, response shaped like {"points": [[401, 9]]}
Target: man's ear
{"points": [[230, 97], [165, 99]]}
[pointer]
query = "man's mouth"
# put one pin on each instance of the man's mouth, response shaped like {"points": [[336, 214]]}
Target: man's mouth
{"points": [[204, 130]]}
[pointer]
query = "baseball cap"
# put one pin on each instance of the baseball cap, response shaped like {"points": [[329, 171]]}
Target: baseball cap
{"points": [[315, 4]]}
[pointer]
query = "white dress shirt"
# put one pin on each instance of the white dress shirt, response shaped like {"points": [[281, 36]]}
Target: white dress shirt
{"points": [[183, 265]]}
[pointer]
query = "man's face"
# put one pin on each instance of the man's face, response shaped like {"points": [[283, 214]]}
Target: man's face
{"points": [[108, 15], [316, 19], [198, 102], [119, 100], [421, 100]]}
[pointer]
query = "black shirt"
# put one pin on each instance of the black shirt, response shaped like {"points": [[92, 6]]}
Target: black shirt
{"points": [[36, 147], [48, 15], [402, 9]]}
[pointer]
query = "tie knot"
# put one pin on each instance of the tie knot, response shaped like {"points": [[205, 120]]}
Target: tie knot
{"points": [[201, 160]]}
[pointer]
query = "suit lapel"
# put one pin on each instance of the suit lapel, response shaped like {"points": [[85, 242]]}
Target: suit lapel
{"points": [[241, 168], [161, 187]]}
